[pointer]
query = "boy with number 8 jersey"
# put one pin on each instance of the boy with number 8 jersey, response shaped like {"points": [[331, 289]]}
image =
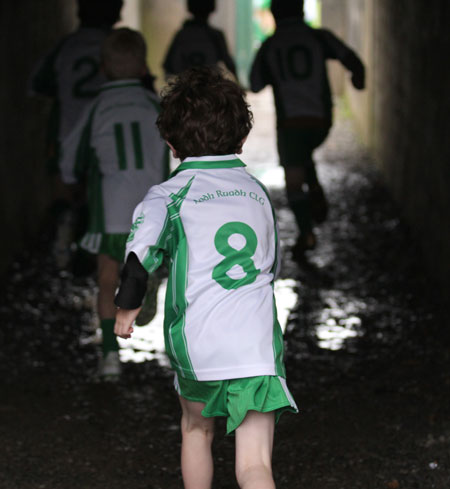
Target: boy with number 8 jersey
{"points": [[214, 224], [117, 149]]}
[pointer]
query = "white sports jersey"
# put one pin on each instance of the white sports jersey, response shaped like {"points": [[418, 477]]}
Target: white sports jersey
{"points": [[70, 73], [293, 62], [117, 146], [197, 44], [217, 225]]}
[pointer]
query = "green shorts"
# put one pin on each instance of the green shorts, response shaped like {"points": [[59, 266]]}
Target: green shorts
{"points": [[296, 145], [233, 398], [112, 245]]}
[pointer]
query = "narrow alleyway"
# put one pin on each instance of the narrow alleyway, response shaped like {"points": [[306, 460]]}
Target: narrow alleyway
{"points": [[367, 350]]}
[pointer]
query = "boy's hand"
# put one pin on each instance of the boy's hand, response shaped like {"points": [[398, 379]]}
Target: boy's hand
{"points": [[124, 322]]}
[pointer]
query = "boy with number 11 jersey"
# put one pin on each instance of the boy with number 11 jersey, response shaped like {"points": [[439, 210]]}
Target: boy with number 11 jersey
{"points": [[116, 148]]}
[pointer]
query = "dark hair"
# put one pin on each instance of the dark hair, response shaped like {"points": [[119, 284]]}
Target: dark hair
{"points": [[282, 9], [123, 54], [201, 8], [99, 13], [203, 113]]}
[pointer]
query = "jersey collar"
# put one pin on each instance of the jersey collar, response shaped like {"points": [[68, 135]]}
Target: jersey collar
{"points": [[131, 82], [208, 163]]}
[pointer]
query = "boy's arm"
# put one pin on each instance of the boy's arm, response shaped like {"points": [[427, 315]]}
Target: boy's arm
{"points": [[336, 49], [145, 251], [260, 73], [168, 64], [224, 55], [130, 296], [44, 79]]}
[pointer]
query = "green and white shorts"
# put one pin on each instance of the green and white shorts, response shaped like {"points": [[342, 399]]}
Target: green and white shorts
{"points": [[112, 245], [234, 398]]}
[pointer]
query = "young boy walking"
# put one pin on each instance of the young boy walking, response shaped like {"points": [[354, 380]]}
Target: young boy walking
{"points": [[70, 75], [117, 149], [215, 225], [197, 43], [293, 62]]}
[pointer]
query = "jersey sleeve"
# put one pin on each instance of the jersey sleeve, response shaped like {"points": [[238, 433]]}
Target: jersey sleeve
{"points": [[145, 248], [44, 79], [75, 150], [150, 230], [260, 73], [334, 48]]}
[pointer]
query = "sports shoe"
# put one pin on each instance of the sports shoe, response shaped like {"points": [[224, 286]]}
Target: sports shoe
{"points": [[110, 366], [149, 306]]}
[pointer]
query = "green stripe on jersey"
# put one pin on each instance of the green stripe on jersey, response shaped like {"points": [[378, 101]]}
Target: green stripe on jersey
{"points": [[120, 146], [177, 284], [172, 239], [137, 145], [277, 339]]}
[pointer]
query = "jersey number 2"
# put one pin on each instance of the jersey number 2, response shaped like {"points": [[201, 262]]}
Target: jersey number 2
{"points": [[234, 256], [89, 68]]}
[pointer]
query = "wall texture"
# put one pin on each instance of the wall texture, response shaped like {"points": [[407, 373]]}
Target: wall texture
{"points": [[403, 114], [411, 122], [28, 29]]}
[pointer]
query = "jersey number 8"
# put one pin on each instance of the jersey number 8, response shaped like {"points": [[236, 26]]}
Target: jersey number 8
{"points": [[233, 256]]}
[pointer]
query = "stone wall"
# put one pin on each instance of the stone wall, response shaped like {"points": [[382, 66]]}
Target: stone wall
{"points": [[403, 114], [411, 129], [29, 28]]}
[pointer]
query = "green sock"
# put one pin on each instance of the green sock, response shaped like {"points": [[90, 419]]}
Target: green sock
{"points": [[109, 338]]}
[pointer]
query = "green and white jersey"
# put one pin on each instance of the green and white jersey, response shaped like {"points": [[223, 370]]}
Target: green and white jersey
{"points": [[70, 74], [117, 148], [216, 224], [293, 61]]}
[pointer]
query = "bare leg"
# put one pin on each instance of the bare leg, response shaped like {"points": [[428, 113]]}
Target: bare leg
{"points": [[254, 442], [108, 279], [197, 436]]}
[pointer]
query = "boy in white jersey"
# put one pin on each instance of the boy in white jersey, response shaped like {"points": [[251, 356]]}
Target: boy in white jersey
{"points": [[197, 43], [117, 148], [71, 77], [293, 61], [215, 225]]}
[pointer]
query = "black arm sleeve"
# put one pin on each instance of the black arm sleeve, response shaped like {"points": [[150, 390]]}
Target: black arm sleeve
{"points": [[133, 284]]}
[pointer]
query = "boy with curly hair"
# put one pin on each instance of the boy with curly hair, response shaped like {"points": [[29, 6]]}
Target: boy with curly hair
{"points": [[215, 225]]}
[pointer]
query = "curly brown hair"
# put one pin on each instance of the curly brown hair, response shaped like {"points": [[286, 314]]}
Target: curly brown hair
{"points": [[203, 113]]}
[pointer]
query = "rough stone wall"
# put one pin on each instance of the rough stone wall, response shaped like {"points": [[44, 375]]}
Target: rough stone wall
{"points": [[411, 104], [28, 28], [403, 113]]}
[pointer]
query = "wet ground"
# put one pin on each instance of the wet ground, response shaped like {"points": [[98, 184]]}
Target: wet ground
{"points": [[367, 355]]}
